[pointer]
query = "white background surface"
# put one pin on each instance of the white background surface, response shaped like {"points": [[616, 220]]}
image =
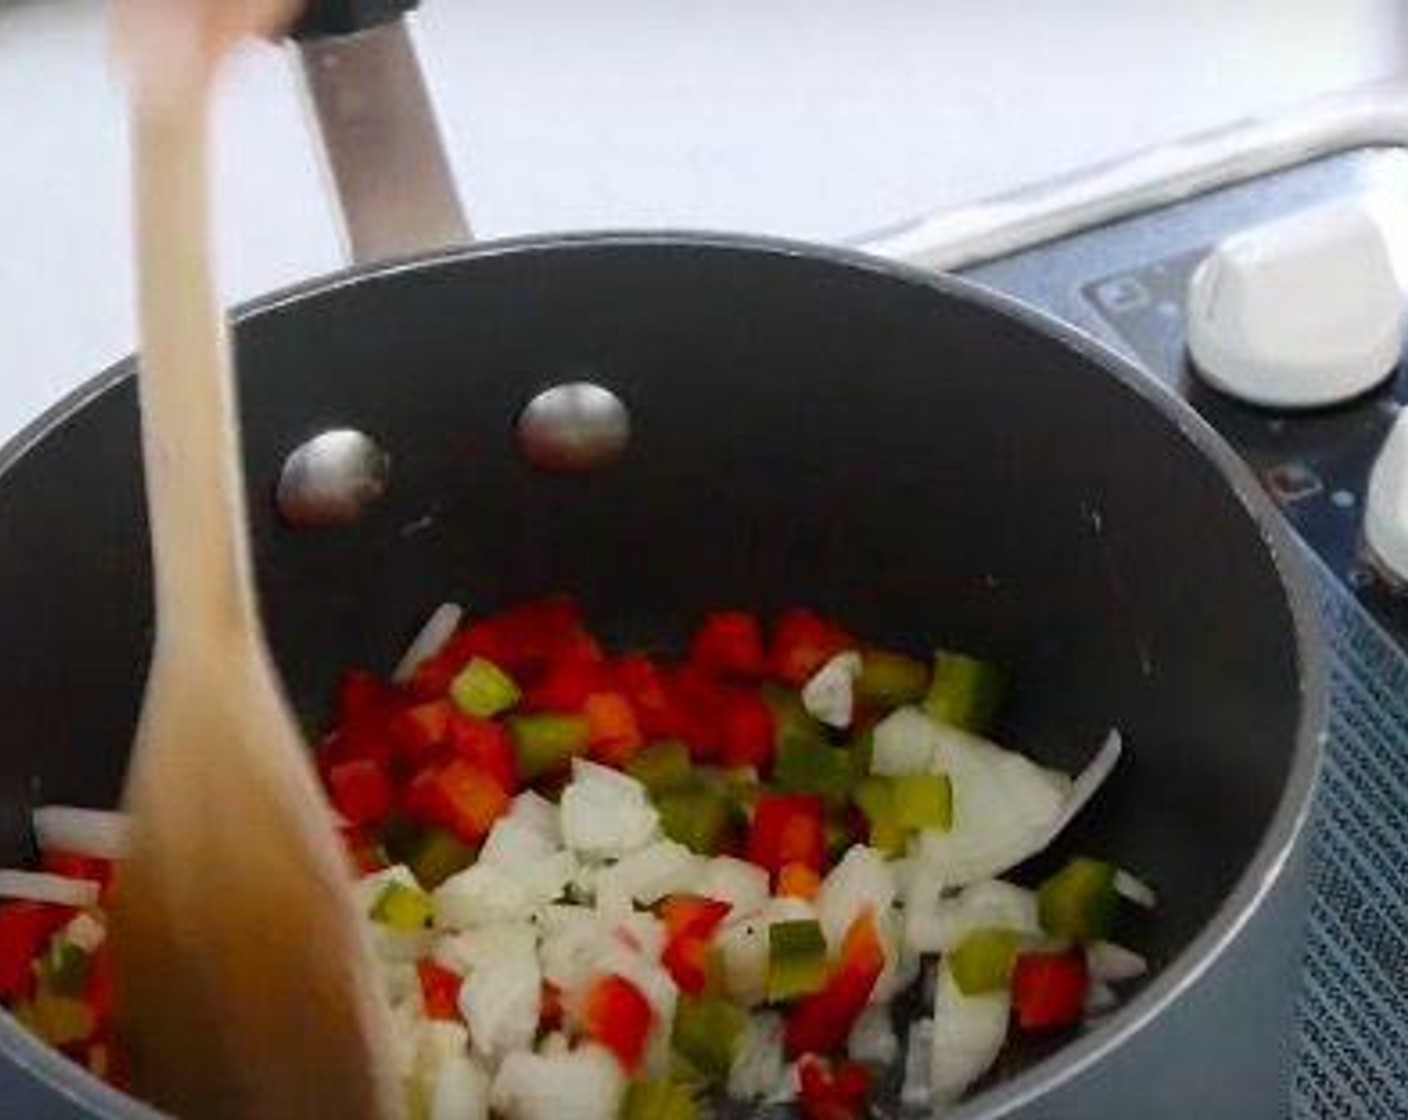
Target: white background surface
{"points": [[811, 118]]}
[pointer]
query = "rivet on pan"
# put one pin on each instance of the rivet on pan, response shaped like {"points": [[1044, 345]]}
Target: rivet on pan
{"points": [[332, 479], [577, 426]]}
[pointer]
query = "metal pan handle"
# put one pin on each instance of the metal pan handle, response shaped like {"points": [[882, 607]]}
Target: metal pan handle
{"points": [[382, 147]]}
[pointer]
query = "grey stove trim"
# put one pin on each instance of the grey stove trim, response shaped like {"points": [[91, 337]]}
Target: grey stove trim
{"points": [[1368, 116]]}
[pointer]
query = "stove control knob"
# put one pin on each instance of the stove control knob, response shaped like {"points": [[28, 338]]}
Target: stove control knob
{"points": [[1386, 509], [1302, 312]]}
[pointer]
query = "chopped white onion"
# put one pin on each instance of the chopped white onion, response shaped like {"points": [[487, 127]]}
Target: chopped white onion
{"points": [[483, 894], [40, 886], [918, 1055], [758, 1066], [1006, 808], [905, 742], [1135, 890], [968, 1035], [461, 1091], [646, 876], [743, 885], [873, 1037], [789, 1085], [85, 932], [1113, 963], [501, 996], [581, 1084], [96, 833], [862, 880], [513, 844], [1087, 784], [1099, 998], [606, 817], [830, 695], [444, 620], [934, 923]]}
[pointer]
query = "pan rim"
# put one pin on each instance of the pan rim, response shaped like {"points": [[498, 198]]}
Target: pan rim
{"points": [[1282, 834]]}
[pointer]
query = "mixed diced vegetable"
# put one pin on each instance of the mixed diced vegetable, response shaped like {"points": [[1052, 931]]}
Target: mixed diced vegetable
{"points": [[616, 885]]}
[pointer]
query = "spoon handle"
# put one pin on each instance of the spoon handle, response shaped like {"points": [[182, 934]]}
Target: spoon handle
{"points": [[195, 484]]}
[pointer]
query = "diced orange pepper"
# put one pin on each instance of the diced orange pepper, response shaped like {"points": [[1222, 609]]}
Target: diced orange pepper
{"points": [[797, 880], [614, 735]]}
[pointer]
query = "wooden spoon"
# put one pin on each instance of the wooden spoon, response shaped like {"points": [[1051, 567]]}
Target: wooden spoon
{"points": [[244, 984]]}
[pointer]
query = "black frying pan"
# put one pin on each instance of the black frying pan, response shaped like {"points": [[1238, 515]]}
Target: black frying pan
{"points": [[908, 453]]}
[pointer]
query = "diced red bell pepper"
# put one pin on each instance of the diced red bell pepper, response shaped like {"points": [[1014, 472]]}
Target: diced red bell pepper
{"points": [[361, 791], [1049, 989], [730, 642], [370, 741], [363, 698], [615, 1013], [566, 684], [420, 730], [528, 637], [828, 1093], [746, 734], [363, 849], [439, 990], [459, 796], [98, 988], [802, 642], [695, 700], [614, 735], [488, 746], [788, 828], [644, 685], [77, 867], [690, 923], [550, 1012], [25, 928], [821, 1022]]}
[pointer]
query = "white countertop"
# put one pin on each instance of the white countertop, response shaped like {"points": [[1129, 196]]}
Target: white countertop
{"points": [[808, 118]]}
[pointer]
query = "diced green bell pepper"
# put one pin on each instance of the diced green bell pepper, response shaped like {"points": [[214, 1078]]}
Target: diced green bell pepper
{"points": [[964, 692], [546, 741], [796, 959], [1079, 902], [402, 908], [698, 818], [862, 750], [435, 855], [875, 797], [983, 960], [64, 968], [790, 719], [706, 1033], [888, 680], [839, 833], [483, 690], [803, 766], [58, 1020], [923, 801], [658, 1099], [662, 766]]}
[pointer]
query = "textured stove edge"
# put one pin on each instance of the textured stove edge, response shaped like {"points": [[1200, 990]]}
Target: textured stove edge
{"points": [[1374, 114]]}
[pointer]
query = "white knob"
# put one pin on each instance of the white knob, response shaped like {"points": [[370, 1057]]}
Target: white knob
{"points": [[1301, 312], [1386, 510]]}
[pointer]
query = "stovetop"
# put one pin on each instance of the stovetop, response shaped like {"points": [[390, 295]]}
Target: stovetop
{"points": [[1124, 282]]}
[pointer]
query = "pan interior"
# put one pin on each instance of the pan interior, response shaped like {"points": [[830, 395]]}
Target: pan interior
{"points": [[906, 458]]}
